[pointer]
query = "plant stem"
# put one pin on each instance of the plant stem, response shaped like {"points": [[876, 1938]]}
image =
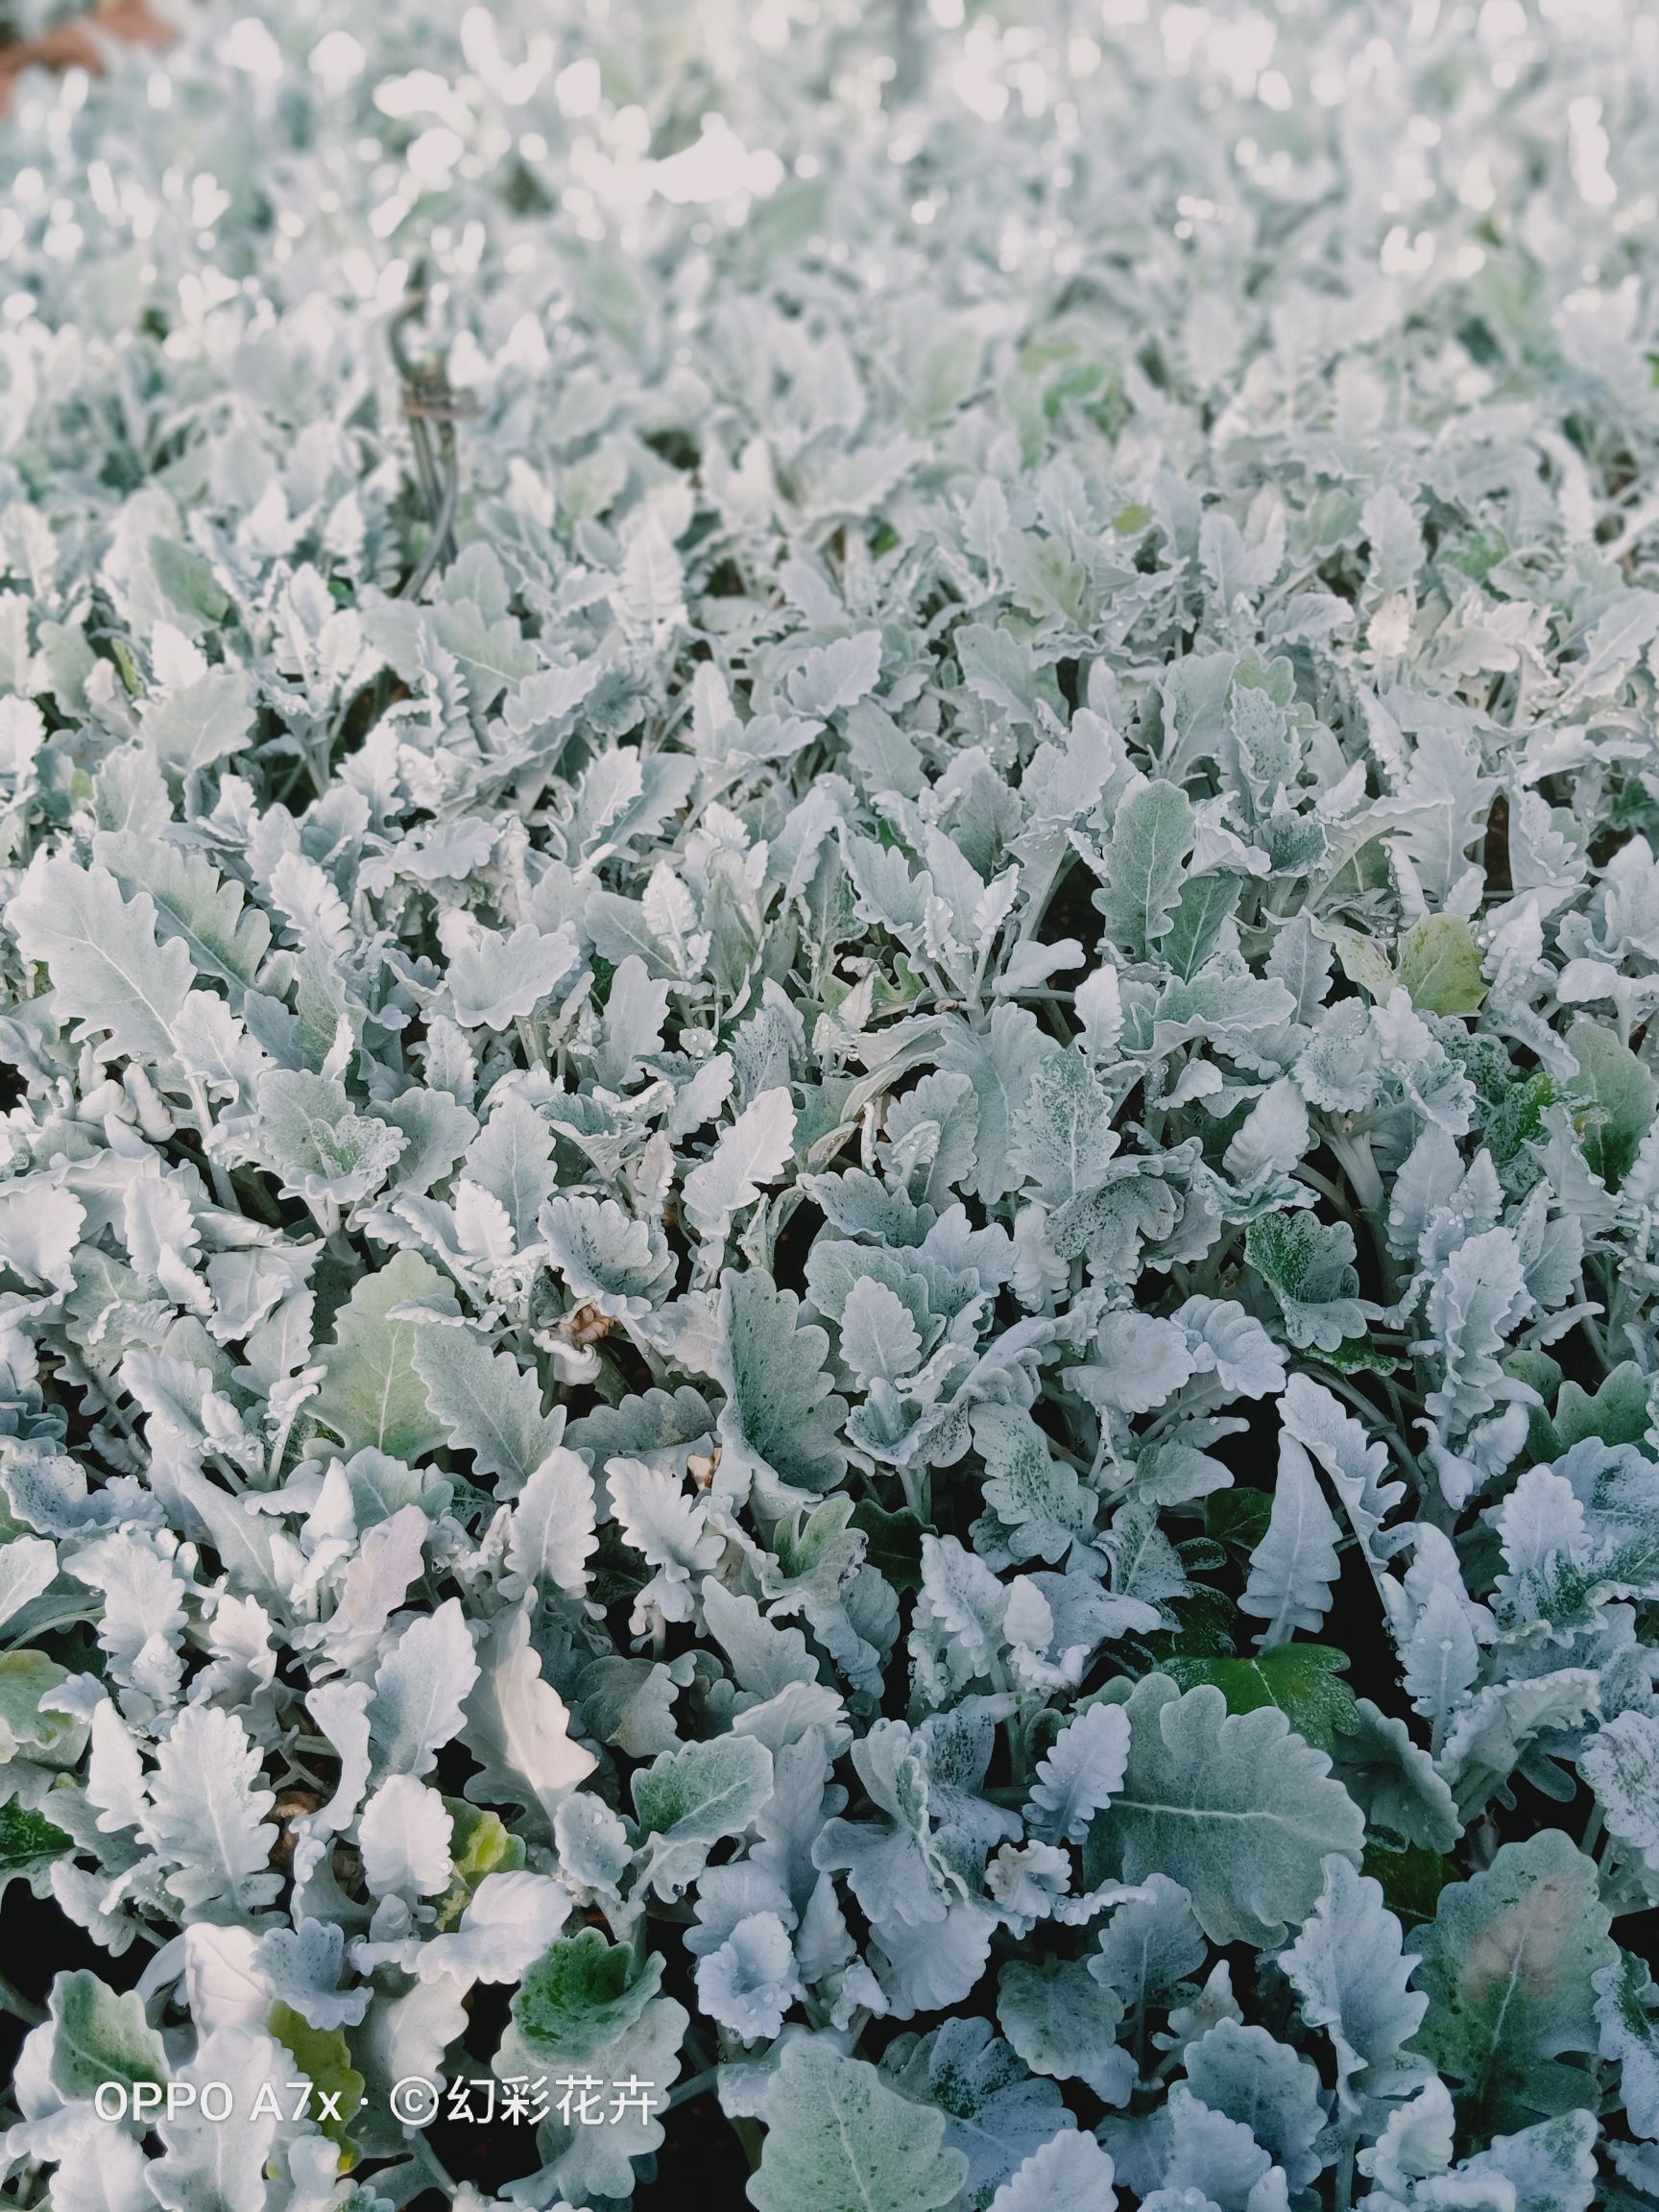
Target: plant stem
{"points": [[423, 2155], [697, 2086], [65, 1618], [224, 1194], [21, 2008], [1353, 1149]]}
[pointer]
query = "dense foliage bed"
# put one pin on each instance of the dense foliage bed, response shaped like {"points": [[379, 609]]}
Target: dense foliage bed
{"points": [[829, 1184]]}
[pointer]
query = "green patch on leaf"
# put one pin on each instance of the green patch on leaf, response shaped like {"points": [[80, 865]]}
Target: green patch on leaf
{"points": [[839, 2140], [1359, 1356], [188, 579], [1476, 553], [1238, 1516], [100, 2037], [1310, 1264], [1364, 960], [479, 1845], [1518, 1116], [1412, 1878], [1439, 964], [28, 1840], [1300, 1679], [1304, 1257], [583, 1993], [894, 1543], [323, 2057], [1206, 1619], [1612, 1096]]}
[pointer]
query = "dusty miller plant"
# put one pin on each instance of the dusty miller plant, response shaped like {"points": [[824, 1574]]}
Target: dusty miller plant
{"points": [[830, 915]]}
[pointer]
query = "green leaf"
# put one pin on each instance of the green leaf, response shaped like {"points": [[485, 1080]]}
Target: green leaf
{"points": [[323, 2057], [1364, 960], [371, 1392], [28, 1840], [1205, 1621], [1299, 1679], [1145, 862], [1412, 1878], [894, 1543], [1439, 964], [480, 1843], [1238, 1516], [1612, 1097], [1507, 1967], [100, 2037], [188, 579], [839, 2140], [582, 1994], [1233, 1807]]}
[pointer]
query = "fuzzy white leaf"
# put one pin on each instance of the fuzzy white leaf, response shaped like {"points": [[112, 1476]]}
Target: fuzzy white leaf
{"points": [[1294, 1566], [403, 1832], [419, 1688], [754, 1151], [206, 1819], [1081, 1774]]}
